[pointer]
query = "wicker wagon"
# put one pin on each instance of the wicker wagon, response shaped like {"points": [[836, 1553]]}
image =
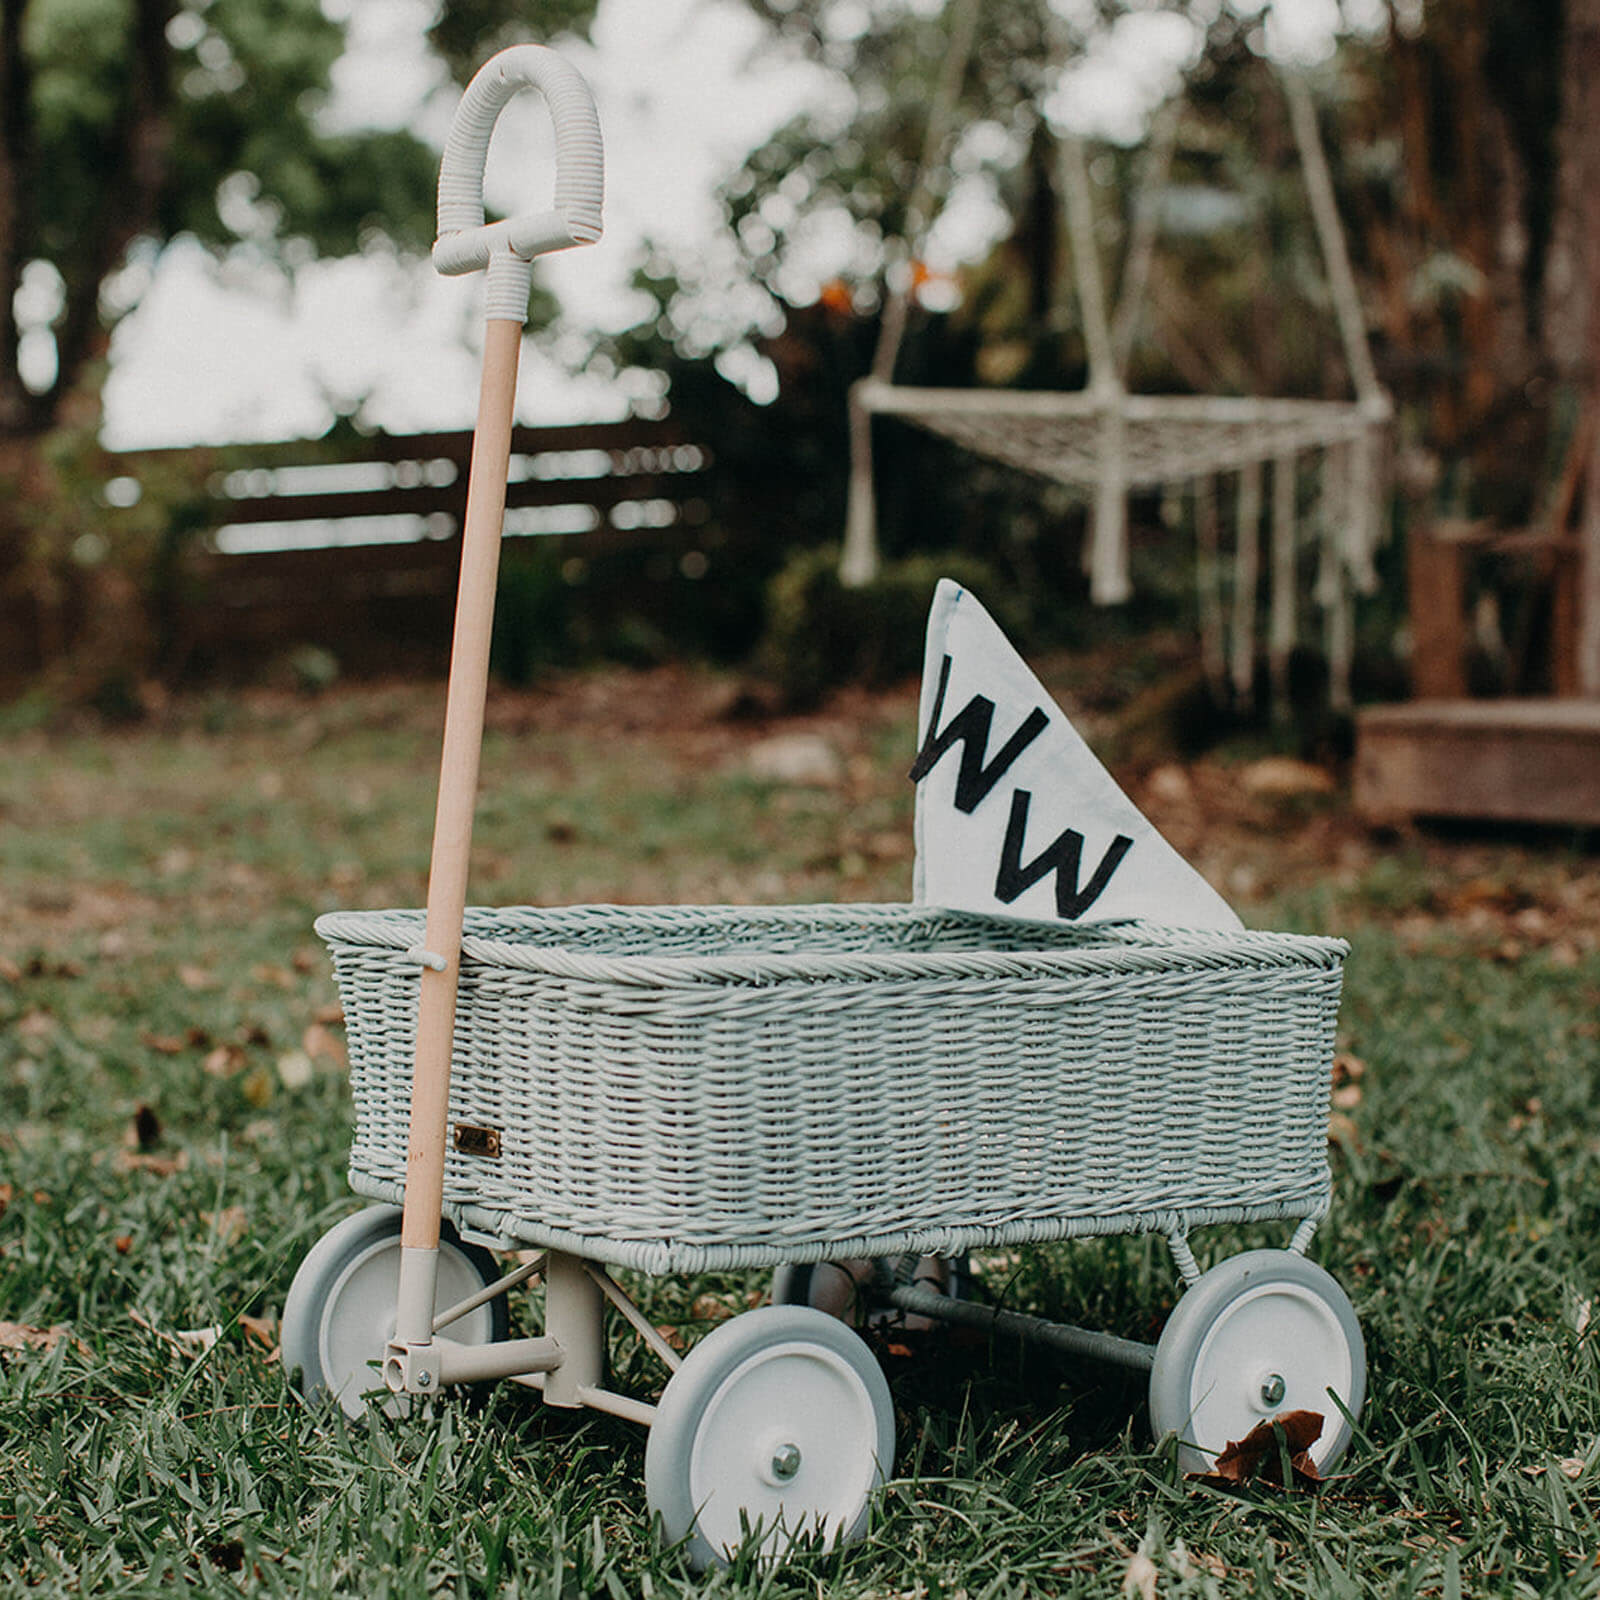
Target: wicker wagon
{"points": [[678, 1089]]}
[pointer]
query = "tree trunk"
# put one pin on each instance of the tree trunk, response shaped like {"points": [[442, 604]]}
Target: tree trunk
{"points": [[1572, 294], [16, 404]]}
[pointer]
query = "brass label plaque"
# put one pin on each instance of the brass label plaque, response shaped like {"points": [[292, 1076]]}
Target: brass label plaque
{"points": [[472, 1141]]}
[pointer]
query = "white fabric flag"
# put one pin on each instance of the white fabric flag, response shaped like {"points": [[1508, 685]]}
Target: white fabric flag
{"points": [[1014, 814]]}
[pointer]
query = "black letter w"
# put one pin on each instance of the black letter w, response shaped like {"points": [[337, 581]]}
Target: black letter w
{"points": [[971, 727], [1064, 857]]}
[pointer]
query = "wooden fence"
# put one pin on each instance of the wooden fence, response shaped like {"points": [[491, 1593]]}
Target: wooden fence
{"points": [[356, 545]]}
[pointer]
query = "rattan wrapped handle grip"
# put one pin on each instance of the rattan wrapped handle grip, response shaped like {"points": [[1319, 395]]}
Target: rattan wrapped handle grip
{"points": [[465, 243]]}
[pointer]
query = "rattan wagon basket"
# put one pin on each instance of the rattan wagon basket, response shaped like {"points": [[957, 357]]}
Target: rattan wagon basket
{"points": [[682, 1088]]}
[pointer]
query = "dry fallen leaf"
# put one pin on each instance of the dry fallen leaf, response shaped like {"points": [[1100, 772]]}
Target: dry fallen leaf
{"points": [[262, 1331], [224, 1062], [19, 1336], [1342, 1130], [163, 1166], [1347, 1096], [34, 1025], [165, 1044], [708, 1308], [1259, 1455], [1572, 1466], [196, 979], [318, 1042], [1348, 1068], [187, 1342], [228, 1224]]}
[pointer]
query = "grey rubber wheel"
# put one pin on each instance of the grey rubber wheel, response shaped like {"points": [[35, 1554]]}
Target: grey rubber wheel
{"points": [[777, 1425], [339, 1314], [1260, 1334]]}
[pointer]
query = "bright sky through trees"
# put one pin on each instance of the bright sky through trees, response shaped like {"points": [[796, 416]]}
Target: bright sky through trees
{"points": [[242, 352]]}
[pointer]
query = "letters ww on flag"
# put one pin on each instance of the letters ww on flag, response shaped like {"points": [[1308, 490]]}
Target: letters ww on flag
{"points": [[1015, 815]]}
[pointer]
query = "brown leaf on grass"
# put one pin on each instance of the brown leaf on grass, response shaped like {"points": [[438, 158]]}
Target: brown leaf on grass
{"points": [[160, 1166], [318, 1042], [186, 1342], [1348, 1068], [9, 970], [35, 1025], [164, 1044], [709, 1308], [8, 1193], [329, 1016], [262, 1332], [224, 1062], [1342, 1131], [277, 977], [196, 979], [1347, 1096], [307, 958], [228, 1224], [19, 1336], [1259, 1455]]}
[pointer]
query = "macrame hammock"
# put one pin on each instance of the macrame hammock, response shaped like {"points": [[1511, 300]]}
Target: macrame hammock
{"points": [[1107, 442]]}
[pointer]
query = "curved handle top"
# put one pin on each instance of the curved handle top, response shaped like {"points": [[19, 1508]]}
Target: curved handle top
{"points": [[465, 244]]}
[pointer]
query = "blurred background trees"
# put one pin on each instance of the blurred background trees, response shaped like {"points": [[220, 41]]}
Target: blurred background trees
{"points": [[1463, 135], [124, 123]]}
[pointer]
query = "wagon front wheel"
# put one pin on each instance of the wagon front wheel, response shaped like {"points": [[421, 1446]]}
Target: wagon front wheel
{"points": [[778, 1425], [1262, 1333], [339, 1314]]}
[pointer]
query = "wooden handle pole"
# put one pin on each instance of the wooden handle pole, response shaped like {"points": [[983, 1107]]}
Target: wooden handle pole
{"points": [[458, 783]]}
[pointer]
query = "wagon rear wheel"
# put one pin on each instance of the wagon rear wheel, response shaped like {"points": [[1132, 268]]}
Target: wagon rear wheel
{"points": [[1261, 1334]]}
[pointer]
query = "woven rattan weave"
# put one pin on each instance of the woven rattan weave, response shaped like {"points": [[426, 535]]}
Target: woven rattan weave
{"points": [[676, 1089]]}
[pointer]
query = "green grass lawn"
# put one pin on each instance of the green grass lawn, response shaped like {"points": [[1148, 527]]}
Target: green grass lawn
{"points": [[174, 1122]]}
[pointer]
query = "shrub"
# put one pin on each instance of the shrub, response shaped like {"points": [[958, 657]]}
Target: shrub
{"points": [[821, 635]]}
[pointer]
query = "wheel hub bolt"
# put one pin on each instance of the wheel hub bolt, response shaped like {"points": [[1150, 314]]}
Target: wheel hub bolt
{"points": [[785, 1462], [1273, 1390]]}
